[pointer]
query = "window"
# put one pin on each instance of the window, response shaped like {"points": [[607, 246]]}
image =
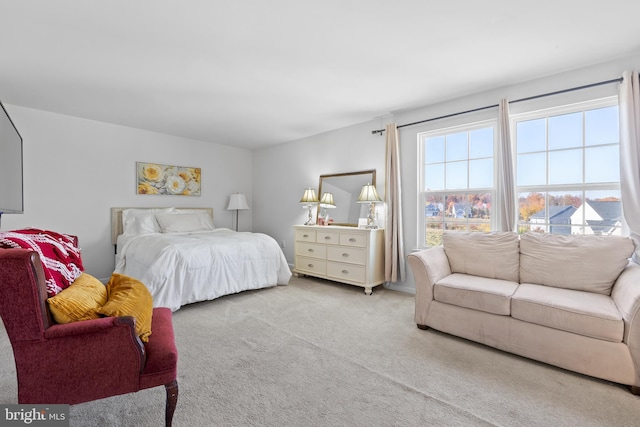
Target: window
{"points": [[457, 180], [567, 173], [568, 169]]}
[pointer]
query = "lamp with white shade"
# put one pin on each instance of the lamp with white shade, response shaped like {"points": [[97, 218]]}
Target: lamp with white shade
{"points": [[309, 198], [326, 202], [237, 202], [368, 194]]}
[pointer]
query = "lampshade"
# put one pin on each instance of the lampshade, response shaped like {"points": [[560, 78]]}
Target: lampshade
{"points": [[368, 194], [237, 201], [327, 201], [309, 196]]}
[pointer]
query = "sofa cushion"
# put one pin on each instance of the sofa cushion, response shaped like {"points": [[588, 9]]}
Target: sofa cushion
{"points": [[492, 255], [583, 263], [585, 313], [478, 293]]}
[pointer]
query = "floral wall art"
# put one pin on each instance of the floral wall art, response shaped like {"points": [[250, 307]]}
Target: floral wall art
{"points": [[154, 178]]}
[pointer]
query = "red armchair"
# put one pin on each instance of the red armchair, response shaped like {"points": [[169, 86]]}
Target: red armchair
{"points": [[81, 361]]}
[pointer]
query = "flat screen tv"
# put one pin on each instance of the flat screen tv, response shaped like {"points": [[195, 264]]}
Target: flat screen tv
{"points": [[11, 197]]}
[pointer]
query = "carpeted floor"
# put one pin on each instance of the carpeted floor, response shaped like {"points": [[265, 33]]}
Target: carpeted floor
{"points": [[317, 353]]}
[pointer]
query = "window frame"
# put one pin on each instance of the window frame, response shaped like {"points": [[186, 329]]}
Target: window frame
{"points": [[421, 136], [547, 188]]}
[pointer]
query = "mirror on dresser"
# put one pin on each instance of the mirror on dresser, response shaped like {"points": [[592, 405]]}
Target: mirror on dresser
{"points": [[345, 188]]}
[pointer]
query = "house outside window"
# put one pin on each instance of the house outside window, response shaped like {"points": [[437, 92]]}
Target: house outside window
{"points": [[457, 180], [568, 169]]}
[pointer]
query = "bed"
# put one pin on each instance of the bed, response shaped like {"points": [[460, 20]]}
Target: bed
{"points": [[183, 258]]}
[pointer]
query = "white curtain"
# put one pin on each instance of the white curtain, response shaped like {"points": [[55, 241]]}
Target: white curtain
{"points": [[629, 102], [394, 268], [506, 213]]}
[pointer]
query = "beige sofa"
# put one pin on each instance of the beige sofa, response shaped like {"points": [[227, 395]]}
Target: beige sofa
{"points": [[570, 301]]}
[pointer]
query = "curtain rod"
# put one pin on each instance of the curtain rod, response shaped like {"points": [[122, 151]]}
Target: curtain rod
{"points": [[529, 98]]}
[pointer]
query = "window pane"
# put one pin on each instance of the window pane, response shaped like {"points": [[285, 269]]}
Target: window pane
{"points": [[434, 149], [604, 213], [532, 169], [456, 212], [457, 147], [481, 173], [532, 214], [530, 204], [565, 167], [481, 143], [434, 208], [531, 136], [565, 131], [601, 126], [456, 206], [480, 208], [456, 175], [563, 211], [602, 164], [433, 235], [434, 177], [455, 225]]}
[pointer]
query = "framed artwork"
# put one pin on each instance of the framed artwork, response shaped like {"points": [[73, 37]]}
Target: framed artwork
{"points": [[154, 178]]}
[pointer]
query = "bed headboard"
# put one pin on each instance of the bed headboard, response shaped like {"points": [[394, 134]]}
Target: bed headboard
{"points": [[116, 218]]}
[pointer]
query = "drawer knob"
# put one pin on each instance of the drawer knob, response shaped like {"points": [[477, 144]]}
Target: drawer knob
{"points": [[353, 239], [310, 250], [310, 265], [305, 235], [345, 271], [346, 255], [327, 237]]}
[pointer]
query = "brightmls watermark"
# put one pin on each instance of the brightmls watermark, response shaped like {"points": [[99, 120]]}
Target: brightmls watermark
{"points": [[34, 415]]}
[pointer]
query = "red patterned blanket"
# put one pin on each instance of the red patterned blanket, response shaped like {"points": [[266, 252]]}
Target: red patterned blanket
{"points": [[59, 254]]}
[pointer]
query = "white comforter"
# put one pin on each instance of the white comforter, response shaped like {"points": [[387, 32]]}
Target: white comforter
{"points": [[183, 268]]}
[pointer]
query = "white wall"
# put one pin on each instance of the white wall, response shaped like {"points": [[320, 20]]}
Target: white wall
{"points": [[281, 174], [291, 167], [76, 169]]}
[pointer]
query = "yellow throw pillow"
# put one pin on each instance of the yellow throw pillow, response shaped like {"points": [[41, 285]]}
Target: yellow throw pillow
{"points": [[129, 297], [80, 301]]}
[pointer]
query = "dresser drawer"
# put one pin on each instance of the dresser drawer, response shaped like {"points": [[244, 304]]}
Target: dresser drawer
{"points": [[312, 250], [349, 272], [353, 239], [328, 237], [311, 265], [348, 254], [306, 235], [343, 254]]}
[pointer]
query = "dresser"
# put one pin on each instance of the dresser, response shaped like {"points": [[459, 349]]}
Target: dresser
{"points": [[344, 254]]}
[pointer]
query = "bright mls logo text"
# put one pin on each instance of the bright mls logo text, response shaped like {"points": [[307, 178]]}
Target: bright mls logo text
{"points": [[38, 415]]}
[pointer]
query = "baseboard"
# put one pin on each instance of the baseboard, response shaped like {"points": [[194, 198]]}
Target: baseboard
{"points": [[401, 287]]}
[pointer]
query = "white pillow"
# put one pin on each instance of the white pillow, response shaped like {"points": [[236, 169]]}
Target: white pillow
{"points": [[142, 221], [184, 222]]}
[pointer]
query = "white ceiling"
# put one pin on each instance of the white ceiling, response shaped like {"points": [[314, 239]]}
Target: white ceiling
{"points": [[253, 73]]}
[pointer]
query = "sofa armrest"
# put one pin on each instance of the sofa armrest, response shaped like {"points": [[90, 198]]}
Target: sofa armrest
{"points": [[428, 266], [626, 295]]}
